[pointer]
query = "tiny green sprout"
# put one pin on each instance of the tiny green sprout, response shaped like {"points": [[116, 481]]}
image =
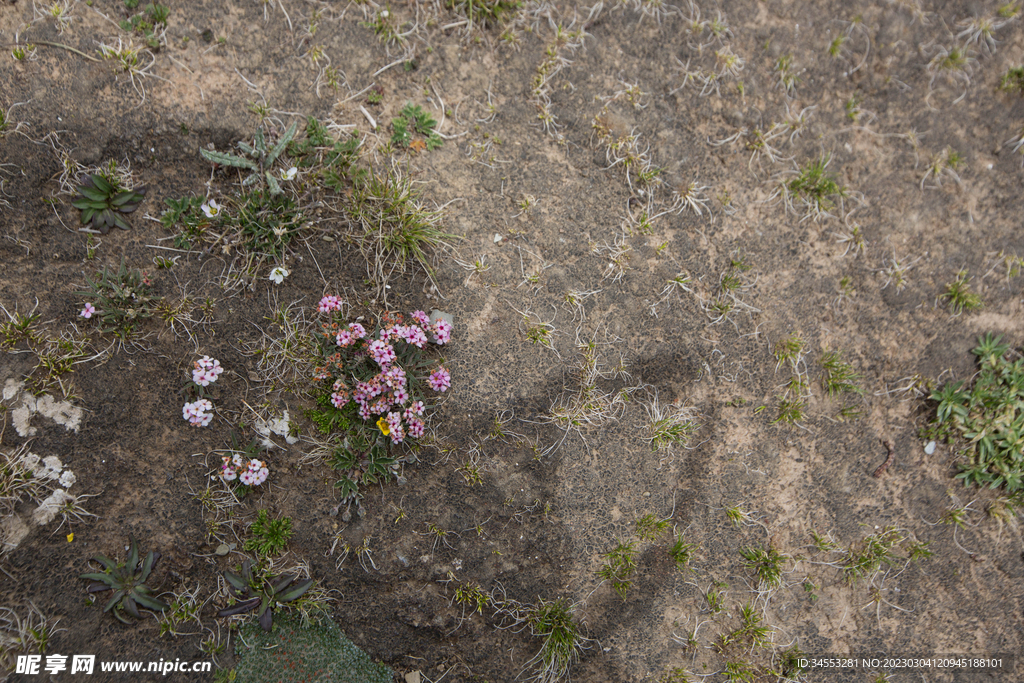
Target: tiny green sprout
{"points": [[959, 296], [816, 186], [739, 671], [839, 376], [1009, 10], [649, 527], [849, 414], [835, 48], [809, 588], [269, 536], [766, 563], [682, 552], [738, 516], [472, 595], [789, 350], [791, 410], [1013, 80], [715, 598], [619, 567], [955, 516]]}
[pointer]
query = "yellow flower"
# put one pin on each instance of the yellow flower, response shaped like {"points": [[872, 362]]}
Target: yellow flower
{"points": [[71, 537], [383, 426]]}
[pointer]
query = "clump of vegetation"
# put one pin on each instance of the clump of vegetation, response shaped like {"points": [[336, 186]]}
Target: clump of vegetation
{"points": [[412, 119], [839, 376], [959, 296], [649, 527], [269, 536], [373, 389], [121, 298], [619, 567], [563, 641], [128, 582], [766, 563], [817, 188], [682, 552], [258, 158], [868, 556], [296, 651], [485, 12], [1013, 80], [986, 419], [102, 199], [260, 592], [395, 226], [147, 22]]}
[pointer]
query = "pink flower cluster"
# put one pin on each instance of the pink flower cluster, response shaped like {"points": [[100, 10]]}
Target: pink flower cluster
{"points": [[350, 335], [252, 473], [386, 396], [439, 380], [196, 413], [206, 371], [328, 304]]}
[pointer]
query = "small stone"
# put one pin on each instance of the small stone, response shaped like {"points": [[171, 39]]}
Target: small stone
{"points": [[222, 550], [647, 494], [498, 238], [929, 448], [413, 677]]}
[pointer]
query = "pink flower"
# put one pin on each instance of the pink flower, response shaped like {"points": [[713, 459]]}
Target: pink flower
{"points": [[339, 399], [400, 396], [395, 377], [413, 334], [417, 408], [382, 352], [439, 380], [88, 311], [206, 370], [345, 338], [364, 411], [397, 434], [394, 420], [358, 330], [416, 428], [421, 317], [442, 331], [328, 304]]}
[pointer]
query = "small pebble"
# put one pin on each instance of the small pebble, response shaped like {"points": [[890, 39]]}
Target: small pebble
{"points": [[929, 448]]}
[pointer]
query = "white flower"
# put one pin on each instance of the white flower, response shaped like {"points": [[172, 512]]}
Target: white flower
{"points": [[67, 478], [277, 275], [210, 208], [289, 174]]}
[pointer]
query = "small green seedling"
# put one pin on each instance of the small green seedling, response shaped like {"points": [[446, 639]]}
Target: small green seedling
{"points": [[959, 296], [412, 119], [682, 552], [839, 376], [128, 582], [766, 563], [620, 567], [649, 527]]}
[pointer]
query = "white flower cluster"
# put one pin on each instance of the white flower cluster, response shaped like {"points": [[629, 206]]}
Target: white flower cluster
{"points": [[195, 412], [49, 468], [206, 370], [252, 473]]}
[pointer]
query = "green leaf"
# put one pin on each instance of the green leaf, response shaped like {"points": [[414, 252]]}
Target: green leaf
{"points": [[282, 143], [102, 184], [296, 591], [148, 602], [225, 159], [113, 600], [275, 187], [100, 576], [107, 563], [235, 580], [93, 194]]}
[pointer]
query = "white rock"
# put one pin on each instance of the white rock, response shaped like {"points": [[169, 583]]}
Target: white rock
{"points": [[498, 238], [929, 447]]}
